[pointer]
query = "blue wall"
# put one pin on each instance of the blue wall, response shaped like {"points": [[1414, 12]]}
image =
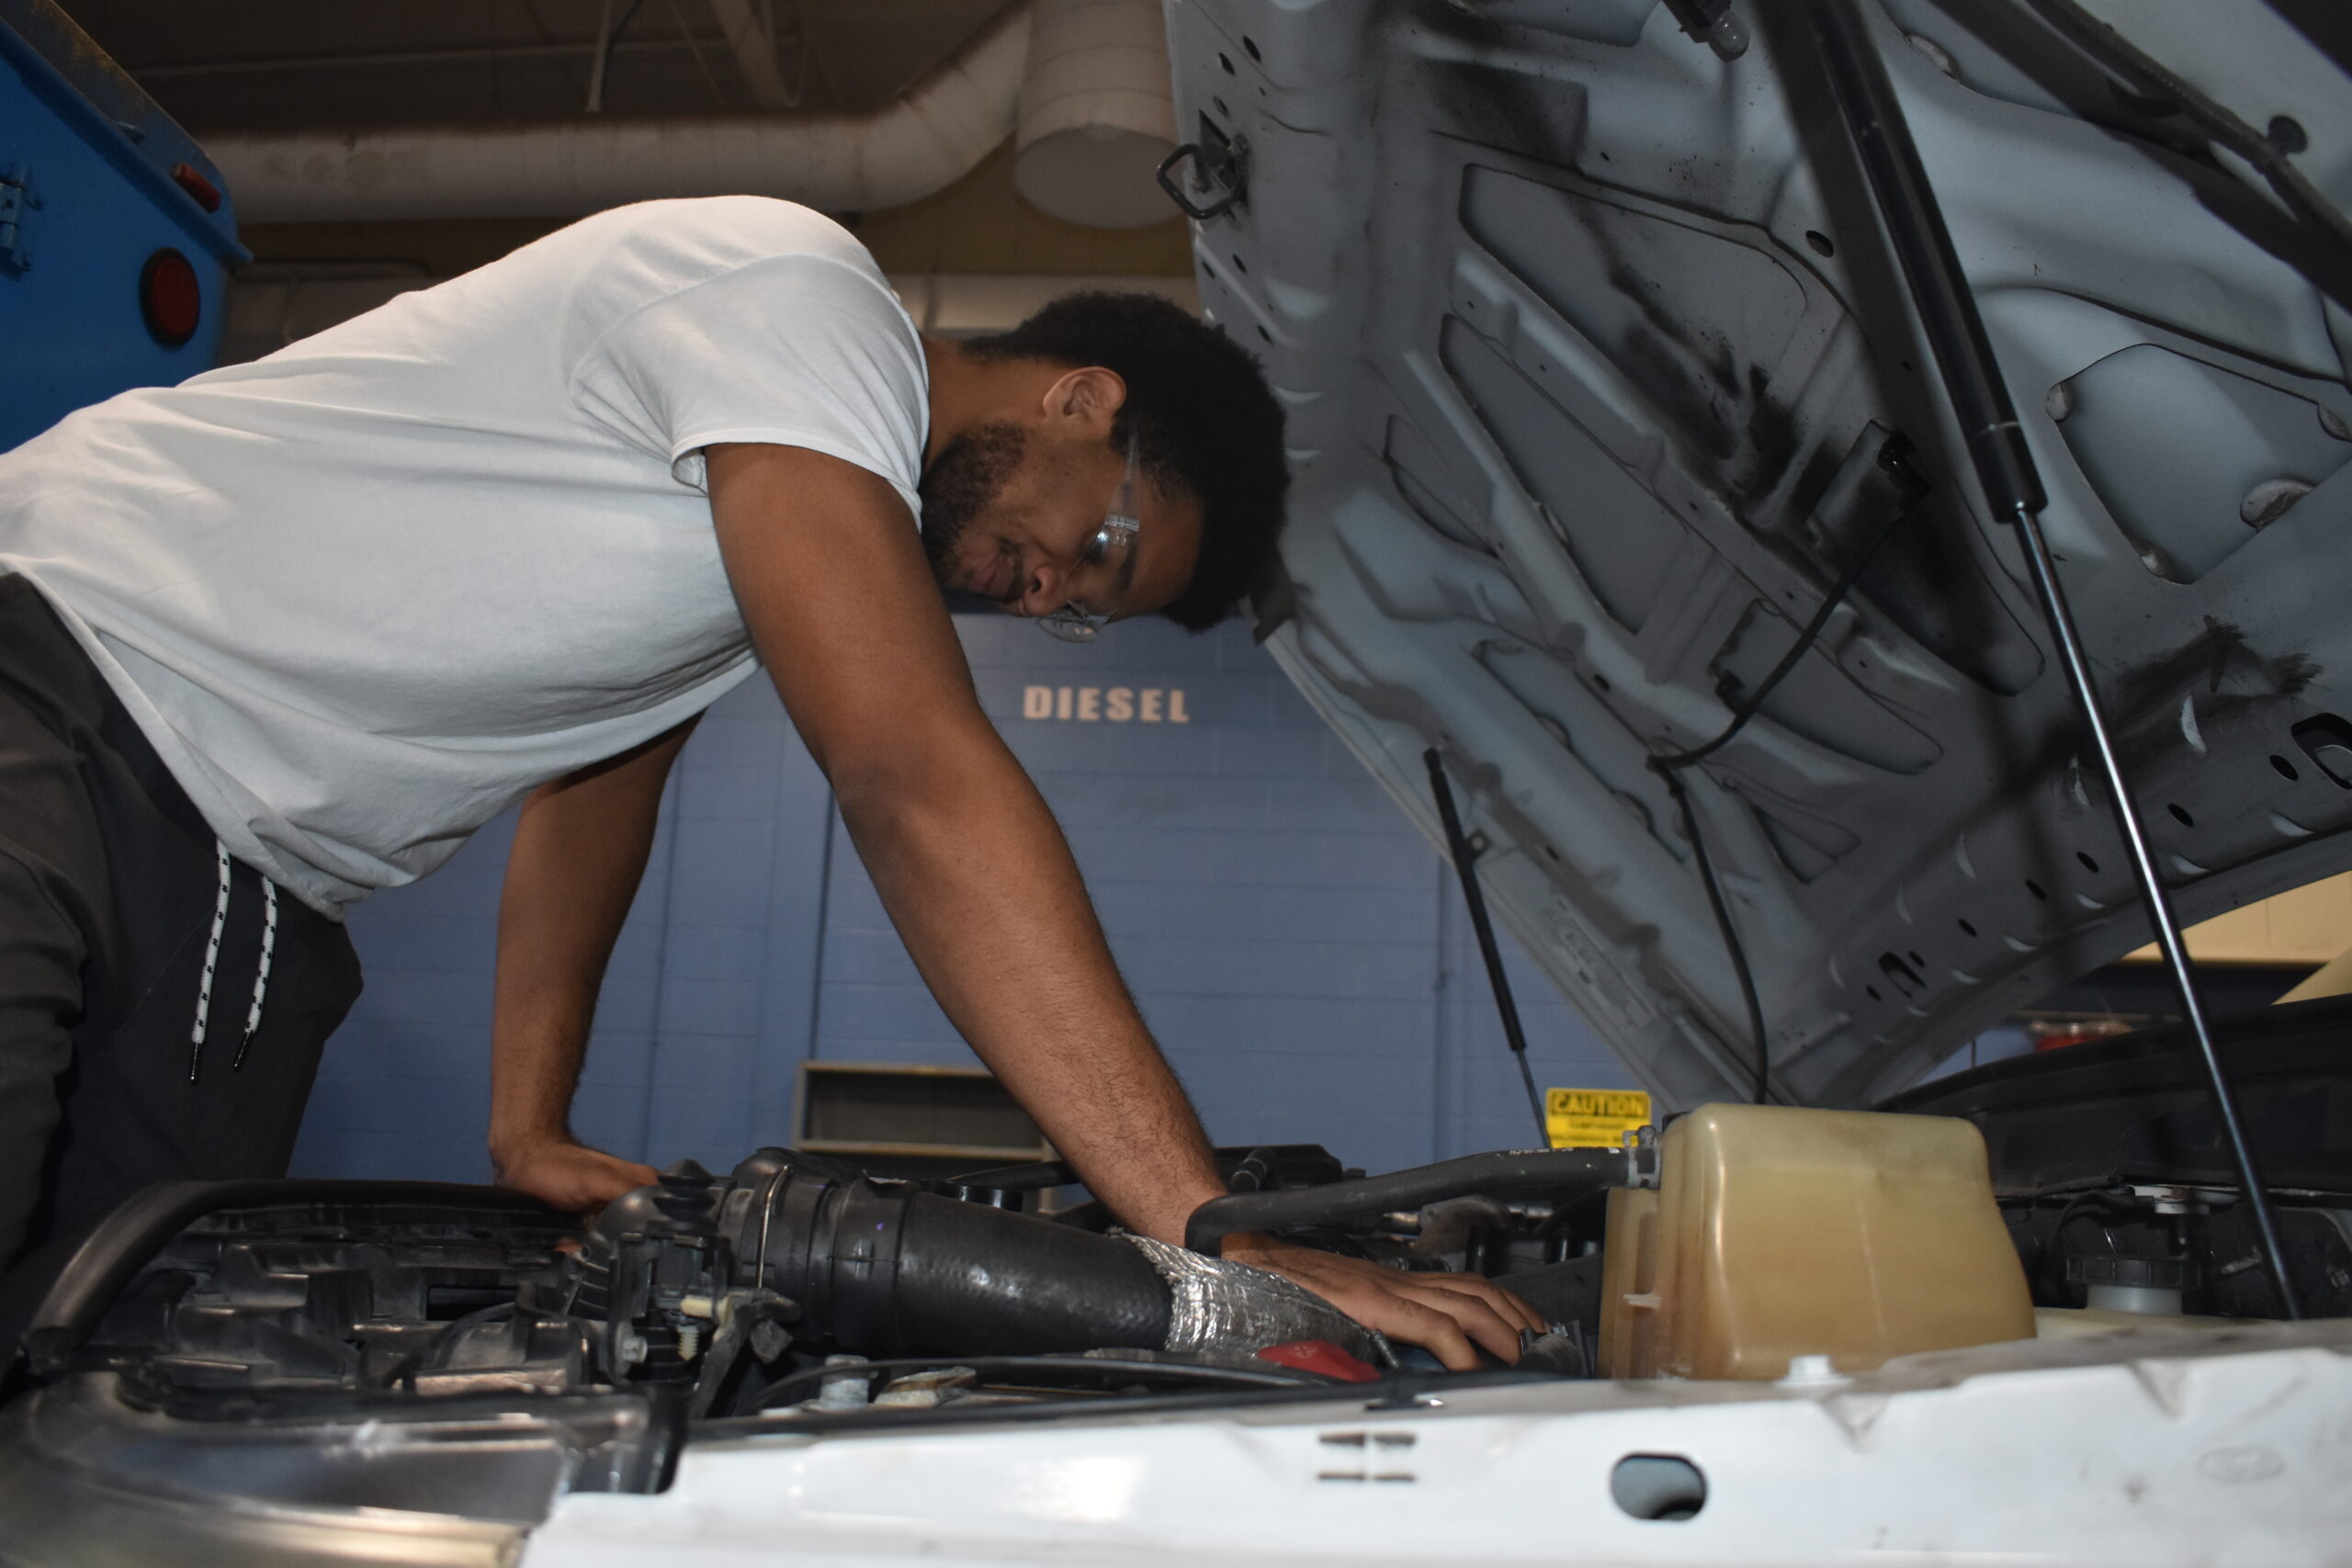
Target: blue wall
{"points": [[1301, 952]]}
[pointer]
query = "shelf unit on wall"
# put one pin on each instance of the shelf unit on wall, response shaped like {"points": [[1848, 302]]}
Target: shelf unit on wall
{"points": [[913, 1120]]}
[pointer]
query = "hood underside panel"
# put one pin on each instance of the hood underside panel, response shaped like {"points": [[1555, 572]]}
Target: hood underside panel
{"points": [[1599, 374]]}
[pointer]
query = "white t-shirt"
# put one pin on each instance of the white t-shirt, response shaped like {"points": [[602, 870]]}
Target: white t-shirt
{"points": [[365, 594]]}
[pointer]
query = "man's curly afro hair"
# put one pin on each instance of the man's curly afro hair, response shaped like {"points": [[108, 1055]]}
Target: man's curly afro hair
{"points": [[1204, 421]]}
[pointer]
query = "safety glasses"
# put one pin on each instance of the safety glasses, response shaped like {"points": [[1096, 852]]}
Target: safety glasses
{"points": [[1103, 560]]}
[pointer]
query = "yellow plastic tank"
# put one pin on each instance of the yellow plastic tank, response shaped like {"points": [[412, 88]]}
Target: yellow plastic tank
{"points": [[1778, 1232]]}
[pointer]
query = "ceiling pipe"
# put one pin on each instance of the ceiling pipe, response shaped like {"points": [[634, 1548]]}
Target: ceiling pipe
{"points": [[922, 140], [1098, 113]]}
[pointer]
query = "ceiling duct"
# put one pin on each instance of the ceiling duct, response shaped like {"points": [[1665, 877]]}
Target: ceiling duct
{"points": [[925, 139], [1096, 113]]}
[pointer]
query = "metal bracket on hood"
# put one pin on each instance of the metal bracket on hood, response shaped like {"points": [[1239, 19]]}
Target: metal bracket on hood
{"points": [[1220, 163], [1713, 23]]}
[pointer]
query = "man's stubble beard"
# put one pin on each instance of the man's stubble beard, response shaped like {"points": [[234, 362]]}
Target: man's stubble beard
{"points": [[963, 482]]}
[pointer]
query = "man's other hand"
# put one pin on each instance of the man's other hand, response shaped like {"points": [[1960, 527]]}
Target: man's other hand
{"points": [[1446, 1314], [571, 1176]]}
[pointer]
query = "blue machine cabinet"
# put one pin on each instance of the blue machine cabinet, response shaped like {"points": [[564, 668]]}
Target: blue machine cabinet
{"points": [[116, 235]]}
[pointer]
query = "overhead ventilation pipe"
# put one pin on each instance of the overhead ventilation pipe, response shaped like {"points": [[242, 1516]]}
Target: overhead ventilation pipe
{"points": [[1097, 113], [1086, 82], [925, 139]]}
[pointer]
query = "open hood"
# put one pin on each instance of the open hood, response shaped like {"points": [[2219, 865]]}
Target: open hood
{"points": [[1599, 373]]}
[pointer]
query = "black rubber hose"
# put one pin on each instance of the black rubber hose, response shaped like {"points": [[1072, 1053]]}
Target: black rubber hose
{"points": [[888, 1271], [992, 1282], [1523, 1174]]}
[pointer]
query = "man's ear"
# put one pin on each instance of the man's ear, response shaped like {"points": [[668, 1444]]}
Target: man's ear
{"points": [[1083, 402]]}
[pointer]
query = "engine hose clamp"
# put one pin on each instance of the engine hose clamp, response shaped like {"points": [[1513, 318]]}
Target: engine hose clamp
{"points": [[760, 1267]]}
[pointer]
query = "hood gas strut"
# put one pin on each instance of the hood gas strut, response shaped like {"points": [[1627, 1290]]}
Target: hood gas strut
{"points": [[1464, 853], [1939, 291]]}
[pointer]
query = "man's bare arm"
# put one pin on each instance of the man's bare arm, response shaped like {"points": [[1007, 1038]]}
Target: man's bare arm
{"points": [[580, 851], [829, 572], [827, 566]]}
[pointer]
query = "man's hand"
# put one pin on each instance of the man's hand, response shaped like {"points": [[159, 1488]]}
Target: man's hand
{"points": [[579, 850], [568, 1176], [1446, 1314]]}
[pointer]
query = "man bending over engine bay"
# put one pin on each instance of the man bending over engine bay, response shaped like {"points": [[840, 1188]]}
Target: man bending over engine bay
{"points": [[293, 631]]}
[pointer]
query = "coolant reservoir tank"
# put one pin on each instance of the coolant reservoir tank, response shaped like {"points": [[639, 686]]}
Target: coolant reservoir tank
{"points": [[1777, 1231]]}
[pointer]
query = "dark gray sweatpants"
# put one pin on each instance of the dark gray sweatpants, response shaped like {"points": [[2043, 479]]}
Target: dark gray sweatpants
{"points": [[109, 878]]}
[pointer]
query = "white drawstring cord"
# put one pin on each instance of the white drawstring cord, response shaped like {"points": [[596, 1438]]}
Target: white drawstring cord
{"points": [[260, 976], [211, 960]]}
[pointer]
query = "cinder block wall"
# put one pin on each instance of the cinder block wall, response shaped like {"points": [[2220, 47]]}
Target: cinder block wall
{"points": [[1298, 949]]}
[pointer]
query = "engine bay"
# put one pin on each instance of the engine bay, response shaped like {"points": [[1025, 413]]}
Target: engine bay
{"points": [[794, 1285], [460, 1350]]}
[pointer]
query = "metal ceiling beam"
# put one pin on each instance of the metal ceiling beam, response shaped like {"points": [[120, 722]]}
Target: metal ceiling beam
{"points": [[748, 34]]}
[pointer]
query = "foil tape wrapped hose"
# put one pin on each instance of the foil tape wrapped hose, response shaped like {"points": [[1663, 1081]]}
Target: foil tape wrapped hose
{"points": [[1223, 1309]]}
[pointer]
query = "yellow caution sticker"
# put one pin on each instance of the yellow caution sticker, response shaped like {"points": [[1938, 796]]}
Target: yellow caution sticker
{"points": [[1593, 1118]]}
